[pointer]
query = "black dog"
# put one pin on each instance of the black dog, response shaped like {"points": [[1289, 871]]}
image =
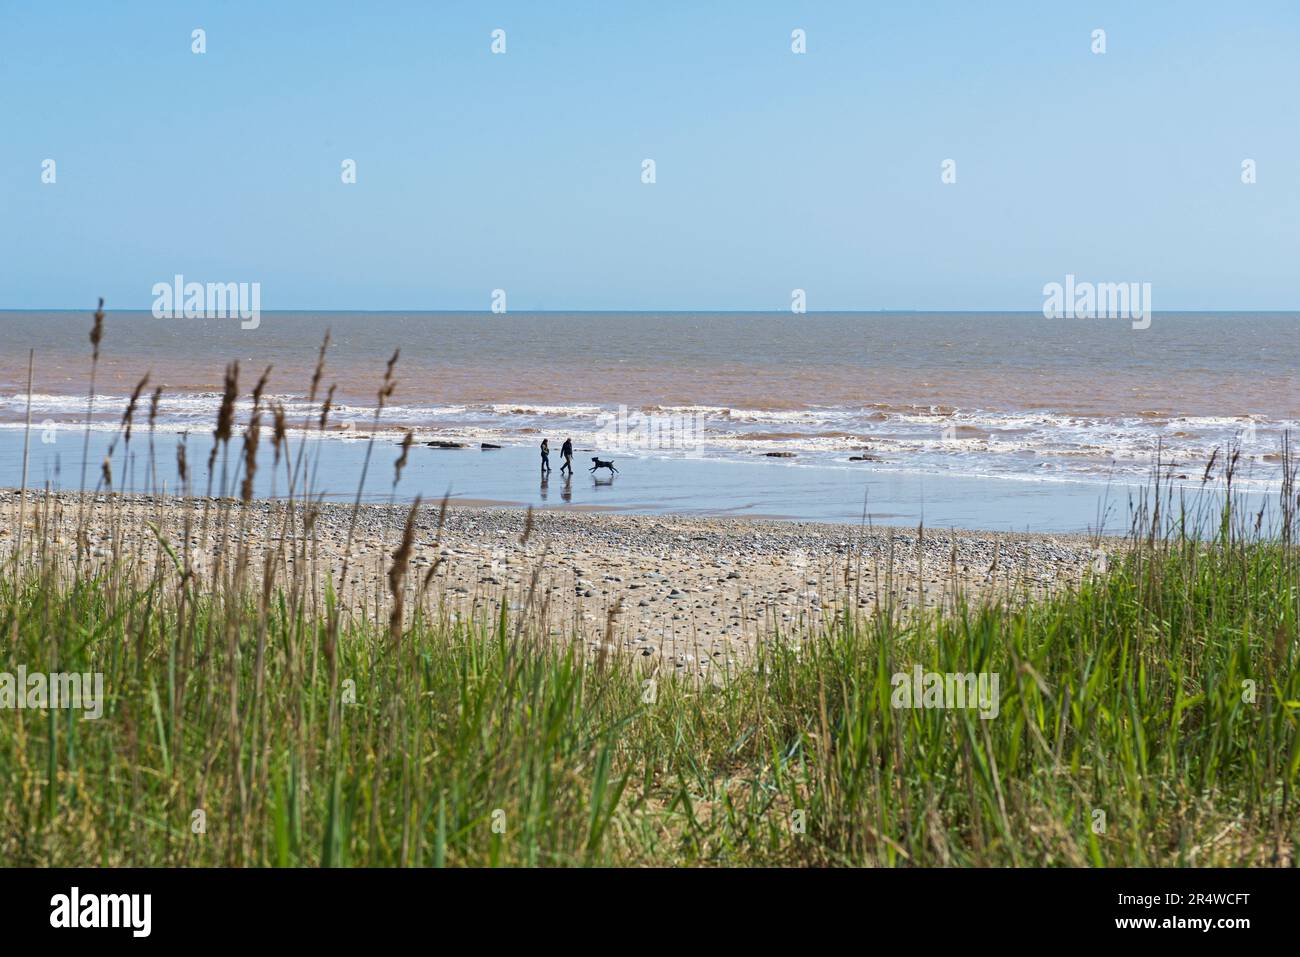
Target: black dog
{"points": [[602, 464]]}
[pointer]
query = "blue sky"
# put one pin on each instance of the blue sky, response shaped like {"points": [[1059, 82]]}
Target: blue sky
{"points": [[774, 171]]}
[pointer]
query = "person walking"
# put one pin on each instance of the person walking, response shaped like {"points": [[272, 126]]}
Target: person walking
{"points": [[566, 453], [546, 456]]}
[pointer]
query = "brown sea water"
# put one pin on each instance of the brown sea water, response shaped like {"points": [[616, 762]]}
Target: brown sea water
{"points": [[1011, 394]]}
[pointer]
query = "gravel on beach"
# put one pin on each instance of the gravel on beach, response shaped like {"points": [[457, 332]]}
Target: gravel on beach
{"points": [[689, 595]]}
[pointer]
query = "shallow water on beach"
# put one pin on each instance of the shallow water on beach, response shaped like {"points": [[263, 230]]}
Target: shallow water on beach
{"points": [[974, 395], [645, 484]]}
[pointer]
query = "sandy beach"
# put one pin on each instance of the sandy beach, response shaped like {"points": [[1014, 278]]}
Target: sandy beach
{"points": [[684, 593]]}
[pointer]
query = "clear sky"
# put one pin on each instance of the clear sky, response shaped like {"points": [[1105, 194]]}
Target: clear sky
{"points": [[774, 171]]}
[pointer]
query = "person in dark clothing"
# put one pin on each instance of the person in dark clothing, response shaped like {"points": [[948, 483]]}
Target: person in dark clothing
{"points": [[566, 453], [546, 456]]}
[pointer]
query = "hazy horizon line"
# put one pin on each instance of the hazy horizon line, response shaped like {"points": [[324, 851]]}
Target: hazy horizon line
{"points": [[646, 311]]}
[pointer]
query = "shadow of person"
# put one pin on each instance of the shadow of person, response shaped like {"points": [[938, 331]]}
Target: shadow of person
{"points": [[566, 492], [543, 488]]}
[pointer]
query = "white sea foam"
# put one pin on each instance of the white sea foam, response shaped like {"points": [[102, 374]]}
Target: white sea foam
{"points": [[1026, 443]]}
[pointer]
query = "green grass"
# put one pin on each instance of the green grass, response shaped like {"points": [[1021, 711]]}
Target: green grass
{"points": [[475, 744]]}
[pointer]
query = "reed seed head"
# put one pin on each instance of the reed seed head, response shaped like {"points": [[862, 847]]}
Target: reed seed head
{"points": [[97, 331]]}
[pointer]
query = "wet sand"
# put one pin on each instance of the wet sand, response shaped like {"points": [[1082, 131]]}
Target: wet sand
{"points": [[793, 489]]}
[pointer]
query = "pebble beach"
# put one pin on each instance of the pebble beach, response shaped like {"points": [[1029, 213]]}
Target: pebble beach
{"points": [[682, 594]]}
